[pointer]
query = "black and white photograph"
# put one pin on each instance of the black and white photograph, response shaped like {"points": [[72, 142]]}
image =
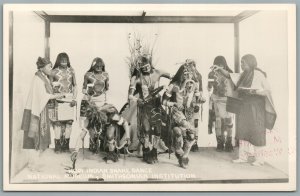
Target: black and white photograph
{"points": [[149, 97]]}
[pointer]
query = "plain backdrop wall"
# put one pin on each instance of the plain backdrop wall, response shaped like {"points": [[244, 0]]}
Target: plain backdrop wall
{"points": [[265, 36], [28, 44], [174, 44]]}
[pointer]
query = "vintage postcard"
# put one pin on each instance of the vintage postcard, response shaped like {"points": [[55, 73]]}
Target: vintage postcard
{"points": [[149, 97]]}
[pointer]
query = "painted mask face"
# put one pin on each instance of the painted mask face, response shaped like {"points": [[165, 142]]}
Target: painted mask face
{"points": [[189, 86], [64, 62], [98, 67], [187, 75], [145, 68], [191, 64], [144, 65]]}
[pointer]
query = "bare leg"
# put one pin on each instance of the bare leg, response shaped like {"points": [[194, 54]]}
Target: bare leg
{"points": [[80, 139], [195, 146], [178, 144], [228, 128], [149, 151], [68, 130], [183, 145], [111, 145], [162, 145], [188, 143], [57, 131], [140, 150], [219, 134], [146, 126]]}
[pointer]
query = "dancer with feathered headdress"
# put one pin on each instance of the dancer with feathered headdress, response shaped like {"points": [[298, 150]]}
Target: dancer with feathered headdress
{"points": [[144, 101], [183, 98]]}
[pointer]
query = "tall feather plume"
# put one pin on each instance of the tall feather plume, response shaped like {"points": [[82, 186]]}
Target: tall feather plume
{"points": [[139, 47]]}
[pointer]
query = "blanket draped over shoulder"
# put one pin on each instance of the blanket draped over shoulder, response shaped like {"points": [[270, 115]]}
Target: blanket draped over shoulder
{"points": [[35, 122]]}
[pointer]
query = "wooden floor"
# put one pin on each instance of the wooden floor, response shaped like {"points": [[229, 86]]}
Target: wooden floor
{"points": [[206, 166]]}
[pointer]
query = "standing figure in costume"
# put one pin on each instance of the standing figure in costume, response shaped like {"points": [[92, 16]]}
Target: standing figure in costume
{"points": [[144, 82], [197, 114], [104, 123], [95, 86], [36, 122], [217, 105], [63, 80], [256, 112], [183, 98]]}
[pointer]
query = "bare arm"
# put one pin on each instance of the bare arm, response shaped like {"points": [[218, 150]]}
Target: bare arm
{"points": [[74, 85], [126, 128], [122, 122], [107, 82], [167, 95], [265, 88], [132, 87], [211, 80], [165, 75], [222, 71], [57, 96], [52, 76], [85, 81], [82, 135]]}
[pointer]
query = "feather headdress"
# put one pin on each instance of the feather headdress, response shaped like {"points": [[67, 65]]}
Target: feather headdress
{"points": [[138, 48]]}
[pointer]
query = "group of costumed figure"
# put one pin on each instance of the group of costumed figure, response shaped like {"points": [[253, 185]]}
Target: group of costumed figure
{"points": [[156, 119], [170, 119]]}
